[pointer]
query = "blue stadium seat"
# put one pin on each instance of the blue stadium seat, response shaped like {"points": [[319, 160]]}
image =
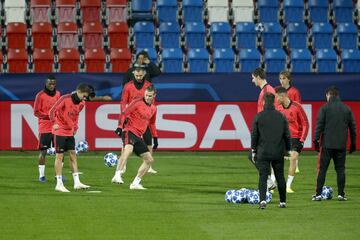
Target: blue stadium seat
{"points": [[350, 60], [272, 35], [347, 35], [220, 35], [343, 10], [169, 33], [296, 35], [326, 60], [245, 35], [151, 52], [268, 10], [172, 60], [249, 59], [141, 10], [318, 10], [144, 34], [195, 35], [198, 60], [224, 59], [300, 60], [322, 35], [293, 10], [275, 60], [167, 10], [192, 10]]}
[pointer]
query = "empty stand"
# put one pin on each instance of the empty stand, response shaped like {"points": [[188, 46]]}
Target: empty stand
{"points": [[322, 35], [169, 33], [224, 60], [16, 35], [245, 35], [43, 60], [293, 10], [65, 11], [67, 35], [40, 11], [218, 11], [195, 35], [220, 35], [198, 60], [118, 35], [69, 60], [350, 60], [172, 60], [326, 60], [15, 11], [141, 10], [243, 10], [275, 60], [90, 10], [343, 10], [116, 11], [272, 35], [192, 10], [296, 35], [167, 10], [144, 34], [42, 35], [94, 60], [318, 10], [120, 59], [249, 59], [92, 35], [268, 10], [347, 35], [301, 60], [17, 61]]}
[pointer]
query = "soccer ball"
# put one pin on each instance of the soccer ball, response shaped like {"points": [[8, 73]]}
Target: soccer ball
{"points": [[259, 27], [327, 193], [268, 197], [82, 146], [239, 196], [229, 195], [51, 151], [110, 159], [253, 197]]}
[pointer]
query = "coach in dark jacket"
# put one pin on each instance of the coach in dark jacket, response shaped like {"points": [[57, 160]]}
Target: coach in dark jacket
{"points": [[334, 121], [270, 139]]}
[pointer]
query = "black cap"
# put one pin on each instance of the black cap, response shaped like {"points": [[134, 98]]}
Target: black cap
{"points": [[139, 66]]}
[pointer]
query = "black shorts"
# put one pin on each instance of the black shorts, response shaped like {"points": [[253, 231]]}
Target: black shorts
{"points": [[296, 145], [64, 143], [140, 146], [46, 140], [147, 137]]}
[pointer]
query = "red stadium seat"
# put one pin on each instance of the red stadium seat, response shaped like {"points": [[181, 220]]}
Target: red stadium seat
{"points": [[65, 11], [67, 35], [16, 35], [42, 35], [118, 35], [94, 60], [17, 60], [92, 35], [120, 59], [90, 10], [69, 60], [116, 10], [40, 10], [43, 60], [1, 62]]}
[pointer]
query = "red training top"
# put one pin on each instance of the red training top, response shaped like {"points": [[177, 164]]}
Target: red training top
{"points": [[294, 94], [260, 103], [42, 105], [130, 92]]}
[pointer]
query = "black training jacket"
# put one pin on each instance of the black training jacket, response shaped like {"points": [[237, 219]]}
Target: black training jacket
{"points": [[151, 71]]}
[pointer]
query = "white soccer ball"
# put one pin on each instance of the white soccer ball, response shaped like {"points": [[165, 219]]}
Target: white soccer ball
{"points": [[82, 146], [239, 196], [327, 193], [51, 151], [259, 27], [253, 197], [229, 195], [268, 197], [110, 159]]}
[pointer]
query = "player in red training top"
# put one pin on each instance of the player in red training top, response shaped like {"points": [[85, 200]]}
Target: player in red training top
{"points": [[298, 125], [65, 115], [133, 90], [133, 122], [44, 100]]}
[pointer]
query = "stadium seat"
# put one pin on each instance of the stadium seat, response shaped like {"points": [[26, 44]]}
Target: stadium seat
{"points": [[43, 60], [17, 61], [198, 60], [245, 35], [141, 10], [94, 60], [118, 35], [169, 33], [347, 35], [243, 10], [15, 11], [272, 35], [1, 62], [318, 10], [90, 10], [120, 59], [350, 60], [268, 10], [275, 60], [172, 60], [16, 35], [322, 35], [67, 35], [151, 52], [144, 34], [296, 35], [167, 10], [42, 35], [192, 10], [218, 11], [224, 60], [220, 35], [301, 60], [249, 59], [69, 60], [343, 10], [92, 35], [195, 35], [40, 11], [116, 11], [326, 60], [65, 11], [293, 10]]}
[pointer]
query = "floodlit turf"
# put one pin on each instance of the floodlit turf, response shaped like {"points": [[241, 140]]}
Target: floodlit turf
{"points": [[185, 200]]}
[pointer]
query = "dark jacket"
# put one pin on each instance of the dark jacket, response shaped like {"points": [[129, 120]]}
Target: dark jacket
{"points": [[332, 125], [270, 135], [151, 71]]}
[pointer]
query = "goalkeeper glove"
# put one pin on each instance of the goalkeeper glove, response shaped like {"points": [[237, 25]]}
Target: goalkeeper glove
{"points": [[118, 132], [156, 144]]}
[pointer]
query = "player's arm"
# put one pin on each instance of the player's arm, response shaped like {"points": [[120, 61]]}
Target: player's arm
{"points": [[320, 124], [153, 131], [76, 126], [37, 109], [304, 123], [124, 98], [131, 107], [153, 70], [58, 105], [254, 134]]}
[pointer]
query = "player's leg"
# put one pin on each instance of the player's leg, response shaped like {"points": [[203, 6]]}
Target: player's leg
{"points": [[148, 140], [324, 158], [59, 146], [264, 171], [45, 140], [291, 173], [75, 171], [297, 169], [278, 167], [339, 163], [126, 152]]}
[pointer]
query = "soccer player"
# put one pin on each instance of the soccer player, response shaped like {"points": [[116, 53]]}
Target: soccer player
{"points": [[44, 100], [133, 122], [65, 115], [299, 127]]}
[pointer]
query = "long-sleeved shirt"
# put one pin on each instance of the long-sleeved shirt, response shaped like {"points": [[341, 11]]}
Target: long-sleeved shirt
{"points": [[42, 105], [294, 94], [260, 103], [131, 91]]}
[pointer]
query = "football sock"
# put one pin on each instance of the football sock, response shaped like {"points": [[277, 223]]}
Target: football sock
{"points": [[76, 178], [289, 180], [118, 173], [273, 178], [59, 179], [137, 180], [41, 171]]}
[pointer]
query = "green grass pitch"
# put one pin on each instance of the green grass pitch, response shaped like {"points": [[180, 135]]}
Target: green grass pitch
{"points": [[185, 200]]}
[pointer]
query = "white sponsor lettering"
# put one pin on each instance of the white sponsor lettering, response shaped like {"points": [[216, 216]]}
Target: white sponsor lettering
{"points": [[20, 112]]}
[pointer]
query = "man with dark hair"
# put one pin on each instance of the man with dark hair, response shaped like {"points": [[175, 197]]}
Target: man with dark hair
{"points": [[334, 121], [44, 100], [270, 137], [64, 116]]}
